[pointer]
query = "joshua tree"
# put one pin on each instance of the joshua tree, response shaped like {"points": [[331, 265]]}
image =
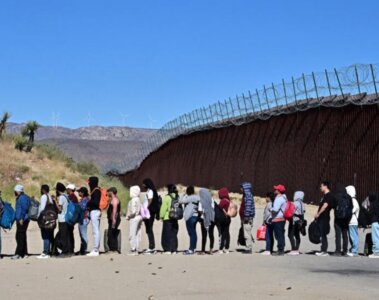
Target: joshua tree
{"points": [[20, 142], [29, 131], [3, 123]]}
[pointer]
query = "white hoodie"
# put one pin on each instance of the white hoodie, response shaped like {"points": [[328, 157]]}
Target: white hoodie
{"points": [[134, 206], [352, 193]]}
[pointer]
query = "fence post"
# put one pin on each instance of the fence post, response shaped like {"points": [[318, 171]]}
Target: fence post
{"points": [[244, 101], [226, 107], [374, 80], [327, 79], [356, 76], [273, 90], [268, 105], [231, 106], [252, 102], [294, 90], [220, 108], [285, 92], [339, 82], [315, 83], [259, 100], [305, 88]]}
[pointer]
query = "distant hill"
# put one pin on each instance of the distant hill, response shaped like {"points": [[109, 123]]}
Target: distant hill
{"points": [[97, 144]]}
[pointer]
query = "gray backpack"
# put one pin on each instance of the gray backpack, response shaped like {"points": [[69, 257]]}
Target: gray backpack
{"points": [[33, 209]]}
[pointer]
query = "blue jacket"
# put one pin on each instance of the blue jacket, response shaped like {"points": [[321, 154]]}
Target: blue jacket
{"points": [[22, 207]]}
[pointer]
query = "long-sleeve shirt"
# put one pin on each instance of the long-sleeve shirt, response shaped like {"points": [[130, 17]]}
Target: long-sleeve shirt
{"points": [[279, 208], [164, 213], [192, 206], [22, 207], [354, 218], [94, 203], [134, 208], [43, 202], [267, 214]]}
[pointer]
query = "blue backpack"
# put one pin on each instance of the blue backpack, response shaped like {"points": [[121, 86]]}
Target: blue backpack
{"points": [[74, 213], [7, 216]]}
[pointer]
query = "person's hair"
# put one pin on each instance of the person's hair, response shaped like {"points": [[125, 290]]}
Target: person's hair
{"points": [[84, 191], [326, 183], [112, 190], [271, 195], [190, 190], [172, 189], [149, 184], [45, 188]]}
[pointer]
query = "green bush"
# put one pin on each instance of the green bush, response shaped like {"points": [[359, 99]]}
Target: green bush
{"points": [[20, 143]]}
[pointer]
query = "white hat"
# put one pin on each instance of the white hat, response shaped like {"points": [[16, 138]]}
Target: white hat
{"points": [[19, 188], [71, 187]]}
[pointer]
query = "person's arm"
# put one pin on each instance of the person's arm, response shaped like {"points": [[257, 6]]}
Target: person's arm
{"points": [[114, 212], [184, 199], [18, 210], [276, 207], [322, 210]]}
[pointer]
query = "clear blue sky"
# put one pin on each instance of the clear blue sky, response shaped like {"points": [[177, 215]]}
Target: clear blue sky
{"points": [[160, 59]]}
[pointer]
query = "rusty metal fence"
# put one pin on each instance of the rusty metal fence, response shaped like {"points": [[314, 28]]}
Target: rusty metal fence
{"points": [[356, 84]]}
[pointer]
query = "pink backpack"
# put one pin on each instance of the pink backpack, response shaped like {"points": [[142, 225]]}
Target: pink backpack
{"points": [[289, 211]]}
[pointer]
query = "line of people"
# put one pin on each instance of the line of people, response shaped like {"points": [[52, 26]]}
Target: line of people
{"points": [[194, 209]]}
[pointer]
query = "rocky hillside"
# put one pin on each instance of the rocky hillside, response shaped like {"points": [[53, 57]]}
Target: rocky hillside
{"points": [[96, 144]]}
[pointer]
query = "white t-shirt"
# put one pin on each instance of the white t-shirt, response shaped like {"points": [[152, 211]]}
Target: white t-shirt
{"points": [[148, 196], [64, 203], [43, 203]]}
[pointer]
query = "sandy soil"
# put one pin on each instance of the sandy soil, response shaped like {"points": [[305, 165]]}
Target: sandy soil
{"points": [[233, 276]]}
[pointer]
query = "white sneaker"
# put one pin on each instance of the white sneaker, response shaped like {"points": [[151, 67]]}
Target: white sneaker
{"points": [[322, 254], [133, 253], [294, 253], [93, 253], [226, 252], [375, 255], [43, 256], [352, 254], [266, 253], [220, 252], [149, 251], [167, 253]]}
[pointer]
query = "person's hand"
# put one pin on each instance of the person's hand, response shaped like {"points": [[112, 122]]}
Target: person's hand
{"points": [[21, 222], [317, 216]]}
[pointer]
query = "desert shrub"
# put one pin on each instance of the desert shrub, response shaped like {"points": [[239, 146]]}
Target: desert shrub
{"points": [[20, 143], [23, 169], [86, 168]]}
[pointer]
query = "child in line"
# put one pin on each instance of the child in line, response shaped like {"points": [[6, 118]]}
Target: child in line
{"points": [[267, 221]]}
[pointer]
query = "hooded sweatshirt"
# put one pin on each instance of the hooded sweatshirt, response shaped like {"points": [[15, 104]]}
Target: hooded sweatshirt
{"points": [[192, 204], [299, 206], [207, 208], [353, 194], [223, 194], [134, 205], [94, 203]]}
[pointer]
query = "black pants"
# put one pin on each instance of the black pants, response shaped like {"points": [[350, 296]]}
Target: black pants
{"points": [[204, 235], [279, 231], [149, 231], [225, 234], [325, 230], [342, 234], [64, 235], [170, 236], [294, 235], [70, 229], [113, 236], [21, 239]]}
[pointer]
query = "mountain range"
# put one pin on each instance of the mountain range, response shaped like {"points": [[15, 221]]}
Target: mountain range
{"points": [[98, 144]]}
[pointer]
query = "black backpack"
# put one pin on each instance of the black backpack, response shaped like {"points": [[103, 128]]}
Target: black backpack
{"points": [[219, 215], [48, 217], [344, 207], [176, 209], [314, 233]]}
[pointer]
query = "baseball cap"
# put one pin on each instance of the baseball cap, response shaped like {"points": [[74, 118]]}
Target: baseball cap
{"points": [[19, 188], [280, 187], [71, 187]]}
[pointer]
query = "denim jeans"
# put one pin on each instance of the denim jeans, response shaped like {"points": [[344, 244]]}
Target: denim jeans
{"points": [[95, 219], [48, 238], [83, 236], [354, 238], [191, 228], [279, 232], [375, 237], [269, 238]]}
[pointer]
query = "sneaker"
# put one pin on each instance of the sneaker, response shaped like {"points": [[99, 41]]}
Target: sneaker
{"points": [[226, 252], [167, 253], [322, 254], [133, 253], [189, 252], [266, 253], [149, 251], [337, 253], [279, 253], [64, 256], [16, 257], [93, 253], [352, 254], [220, 252], [374, 255], [247, 252], [43, 256], [294, 253]]}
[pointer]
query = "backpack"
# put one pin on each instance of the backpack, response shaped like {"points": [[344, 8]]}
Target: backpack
{"points": [[104, 200], [145, 213], [176, 209], [314, 233], [364, 214], [232, 210], [159, 205], [48, 217], [344, 208], [74, 213], [7, 216], [289, 211], [33, 209], [219, 214]]}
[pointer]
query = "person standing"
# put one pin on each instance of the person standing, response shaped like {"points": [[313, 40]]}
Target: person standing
{"points": [[224, 226], [47, 234], [152, 203], [278, 221], [374, 208], [71, 188], [327, 203], [267, 221], [22, 222], [114, 220], [296, 223], [207, 220], [64, 235], [95, 214], [343, 214], [353, 225], [1, 211], [191, 217], [170, 226], [247, 214], [135, 220], [83, 228]]}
